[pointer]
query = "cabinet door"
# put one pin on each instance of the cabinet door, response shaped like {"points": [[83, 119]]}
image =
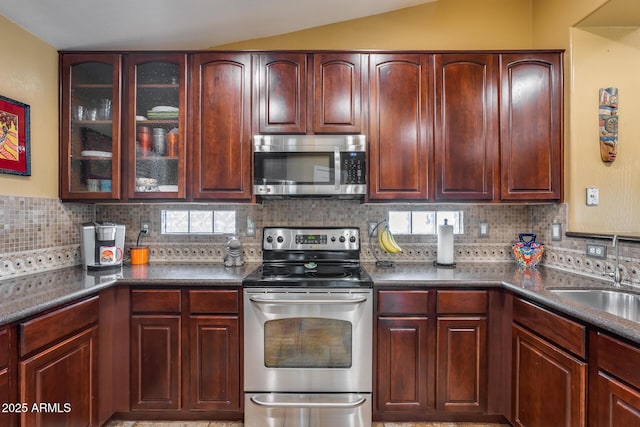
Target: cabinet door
{"points": [[461, 366], [63, 379], [155, 362], [156, 129], [531, 126], [402, 386], [466, 126], [221, 126], [549, 385], [90, 127], [618, 404], [337, 92], [282, 93], [400, 140], [214, 363], [8, 386]]}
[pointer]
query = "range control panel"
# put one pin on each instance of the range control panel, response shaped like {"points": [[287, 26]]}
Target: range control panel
{"points": [[328, 239]]}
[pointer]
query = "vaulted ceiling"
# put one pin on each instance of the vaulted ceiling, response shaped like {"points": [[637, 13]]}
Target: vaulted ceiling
{"points": [[179, 24]]}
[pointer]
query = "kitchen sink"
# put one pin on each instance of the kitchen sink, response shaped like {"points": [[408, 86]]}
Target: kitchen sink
{"points": [[616, 302]]}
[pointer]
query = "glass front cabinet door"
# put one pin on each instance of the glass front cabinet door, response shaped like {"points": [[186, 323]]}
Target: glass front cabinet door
{"points": [[156, 126], [90, 110]]}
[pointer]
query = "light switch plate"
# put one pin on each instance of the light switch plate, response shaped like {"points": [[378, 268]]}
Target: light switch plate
{"points": [[556, 231], [593, 196], [483, 229], [251, 227]]}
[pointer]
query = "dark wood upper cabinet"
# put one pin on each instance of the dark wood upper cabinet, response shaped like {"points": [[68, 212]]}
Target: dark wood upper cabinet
{"points": [[282, 93], [302, 93], [466, 126], [531, 126], [400, 157], [337, 92], [221, 126], [157, 103], [90, 145]]}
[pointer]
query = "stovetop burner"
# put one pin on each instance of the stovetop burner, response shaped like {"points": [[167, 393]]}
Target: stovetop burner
{"points": [[275, 271], [310, 257]]}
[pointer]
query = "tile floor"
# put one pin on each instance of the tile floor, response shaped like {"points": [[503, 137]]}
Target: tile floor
{"points": [[239, 424]]}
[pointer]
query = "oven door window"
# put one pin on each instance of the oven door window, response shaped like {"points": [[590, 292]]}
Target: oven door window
{"points": [[307, 342], [294, 168]]}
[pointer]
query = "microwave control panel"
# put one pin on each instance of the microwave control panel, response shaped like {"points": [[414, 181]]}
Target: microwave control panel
{"points": [[353, 167]]}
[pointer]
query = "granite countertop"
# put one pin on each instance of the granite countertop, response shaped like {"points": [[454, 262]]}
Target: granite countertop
{"points": [[26, 296], [533, 285]]}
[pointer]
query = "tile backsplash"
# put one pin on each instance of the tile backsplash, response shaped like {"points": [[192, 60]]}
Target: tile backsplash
{"points": [[39, 234]]}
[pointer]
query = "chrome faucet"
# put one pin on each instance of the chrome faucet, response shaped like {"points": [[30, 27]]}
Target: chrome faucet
{"points": [[617, 276]]}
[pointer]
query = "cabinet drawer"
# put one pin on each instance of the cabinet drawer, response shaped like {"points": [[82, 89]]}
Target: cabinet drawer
{"points": [[462, 302], [214, 301], [560, 330], [4, 347], [155, 301], [403, 302], [57, 324], [619, 359]]}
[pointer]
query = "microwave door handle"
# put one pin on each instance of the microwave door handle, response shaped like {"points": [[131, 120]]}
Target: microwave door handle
{"points": [[336, 166], [300, 404]]}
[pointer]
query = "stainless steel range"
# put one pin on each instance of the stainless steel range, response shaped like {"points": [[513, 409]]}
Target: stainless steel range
{"points": [[308, 325]]}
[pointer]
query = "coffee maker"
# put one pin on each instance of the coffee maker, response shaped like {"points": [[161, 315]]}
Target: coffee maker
{"points": [[101, 244]]}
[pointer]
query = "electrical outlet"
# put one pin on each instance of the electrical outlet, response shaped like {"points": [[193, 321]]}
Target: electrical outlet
{"points": [[596, 251], [372, 226], [146, 225]]}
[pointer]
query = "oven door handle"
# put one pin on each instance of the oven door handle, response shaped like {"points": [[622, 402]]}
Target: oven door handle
{"points": [[357, 300], [257, 399]]}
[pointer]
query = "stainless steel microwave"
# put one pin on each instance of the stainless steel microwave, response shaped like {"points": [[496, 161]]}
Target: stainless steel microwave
{"points": [[309, 165]]}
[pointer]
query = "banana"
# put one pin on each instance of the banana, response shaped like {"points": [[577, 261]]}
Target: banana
{"points": [[387, 242], [381, 239], [392, 242]]}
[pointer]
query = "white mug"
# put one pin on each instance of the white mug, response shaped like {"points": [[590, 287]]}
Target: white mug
{"points": [[110, 255]]}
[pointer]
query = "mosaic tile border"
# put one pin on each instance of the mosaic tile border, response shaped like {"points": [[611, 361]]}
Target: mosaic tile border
{"points": [[576, 261], [38, 260]]}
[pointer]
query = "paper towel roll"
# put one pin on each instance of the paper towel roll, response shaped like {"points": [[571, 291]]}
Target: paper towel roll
{"points": [[445, 244]]}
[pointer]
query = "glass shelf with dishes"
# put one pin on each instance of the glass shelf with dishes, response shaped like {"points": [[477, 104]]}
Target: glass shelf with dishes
{"points": [[158, 97]]}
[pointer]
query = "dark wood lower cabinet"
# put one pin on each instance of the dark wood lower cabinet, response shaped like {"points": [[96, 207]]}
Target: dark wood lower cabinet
{"points": [[155, 362], [61, 381], [618, 404], [214, 363], [402, 366], [614, 394], [58, 367], [461, 375], [8, 387], [185, 353], [549, 384]]}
